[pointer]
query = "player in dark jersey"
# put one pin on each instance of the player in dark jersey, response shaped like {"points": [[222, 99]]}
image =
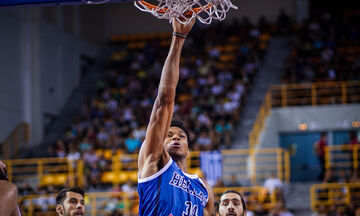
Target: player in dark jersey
{"points": [[164, 186], [8, 194]]}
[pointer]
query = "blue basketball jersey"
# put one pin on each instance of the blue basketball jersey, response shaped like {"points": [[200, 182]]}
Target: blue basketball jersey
{"points": [[171, 192]]}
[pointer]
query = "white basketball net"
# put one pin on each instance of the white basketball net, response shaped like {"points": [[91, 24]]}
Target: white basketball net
{"points": [[185, 10]]}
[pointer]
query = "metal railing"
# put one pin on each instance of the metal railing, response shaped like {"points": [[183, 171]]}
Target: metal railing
{"points": [[329, 194], [123, 167], [307, 94], [45, 171], [344, 157], [257, 166], [17, 139], [105, 203]]}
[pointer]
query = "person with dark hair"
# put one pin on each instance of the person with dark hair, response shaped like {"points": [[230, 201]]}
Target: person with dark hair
{"points": [[8, 194], [164, 187], [232, 203], [70, 202], [319, 147]]}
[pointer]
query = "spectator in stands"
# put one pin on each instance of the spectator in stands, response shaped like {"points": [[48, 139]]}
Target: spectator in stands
{"points": [[280, 210], [132, 144], [259, 209], [321, 211], [353, 142], [8, 194], [232, 203], [354, 177], [70, 202], [129, 188], [353, 138], [73, 154], [319, 148], [233, 181], [283, 22], [274, 185], [330, 177], [219, 183], [60, 148], [204, 141], [343, 177]]}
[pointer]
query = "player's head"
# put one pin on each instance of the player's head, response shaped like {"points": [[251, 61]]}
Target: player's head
{"points": [[70, 202], [177, 141], [232, 203], [3, 172]]}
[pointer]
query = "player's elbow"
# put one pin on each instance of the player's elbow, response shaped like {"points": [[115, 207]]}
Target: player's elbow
{"points": [[166, 96]]}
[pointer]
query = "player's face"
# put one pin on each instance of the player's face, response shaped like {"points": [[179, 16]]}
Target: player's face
{"points": [[230, 204], [73, 205], [176, 142]]}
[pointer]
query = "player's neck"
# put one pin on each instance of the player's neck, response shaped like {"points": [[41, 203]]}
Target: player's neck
{"points": [[182, 164]]}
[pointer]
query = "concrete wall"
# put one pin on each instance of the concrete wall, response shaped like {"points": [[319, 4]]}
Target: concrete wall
{"points": [[39, 68], [321, 118], [11, 89]]}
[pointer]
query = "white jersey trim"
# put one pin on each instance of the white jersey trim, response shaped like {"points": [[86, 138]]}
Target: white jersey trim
{"points": [[202, 182], [197, 177], [142, 180], [191, 176]]}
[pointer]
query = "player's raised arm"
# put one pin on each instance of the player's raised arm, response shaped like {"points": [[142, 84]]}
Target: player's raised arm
{"points": [[152, 154]]}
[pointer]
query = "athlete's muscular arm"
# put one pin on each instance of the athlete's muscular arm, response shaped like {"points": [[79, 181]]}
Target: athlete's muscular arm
{"points": [[209, 208], [152, 150]]}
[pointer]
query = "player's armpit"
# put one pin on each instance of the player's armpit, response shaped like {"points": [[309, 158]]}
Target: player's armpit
{"points": [[209, 208]]}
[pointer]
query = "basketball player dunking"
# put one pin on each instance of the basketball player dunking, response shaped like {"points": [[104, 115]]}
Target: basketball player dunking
{"points": [[8, 194], [164, 187]]}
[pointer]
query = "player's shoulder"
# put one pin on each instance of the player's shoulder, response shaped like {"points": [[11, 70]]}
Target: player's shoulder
{"points": [[207, 185], [8, 185], [8, 188]]}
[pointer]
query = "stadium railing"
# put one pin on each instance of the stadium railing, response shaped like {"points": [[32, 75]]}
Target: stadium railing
{"points": [[105, 203], [18, 138], [123, 167], [307, 94], [338, 194], [256, 167], [345, 157], [45, 171]]}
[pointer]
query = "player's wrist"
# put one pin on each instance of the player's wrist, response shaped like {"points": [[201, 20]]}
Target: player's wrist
{"points": [[179, 35]]}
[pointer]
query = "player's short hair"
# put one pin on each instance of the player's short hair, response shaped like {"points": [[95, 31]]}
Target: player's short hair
{"points": [[3, 174], [180, 124], [62, 194], [241, 197]]}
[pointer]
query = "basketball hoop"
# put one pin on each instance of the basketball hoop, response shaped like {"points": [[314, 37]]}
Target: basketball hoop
{"points": [[185, 10]]}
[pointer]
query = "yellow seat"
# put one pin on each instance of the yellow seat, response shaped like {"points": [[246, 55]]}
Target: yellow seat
{"points": [[54, 179], [108, 177], [123, 177], [60, 179], [99, 152], [47, 180], [133, 176], [108, 154]]}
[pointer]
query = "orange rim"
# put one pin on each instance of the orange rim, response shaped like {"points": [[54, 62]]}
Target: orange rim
{"points": [[159, 10]]}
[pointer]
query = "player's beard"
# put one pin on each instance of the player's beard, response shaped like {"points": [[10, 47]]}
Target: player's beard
{"points": [[66, 213]]}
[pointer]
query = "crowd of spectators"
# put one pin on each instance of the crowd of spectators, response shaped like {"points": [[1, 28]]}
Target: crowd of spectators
{"points": [[325, 48]]}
